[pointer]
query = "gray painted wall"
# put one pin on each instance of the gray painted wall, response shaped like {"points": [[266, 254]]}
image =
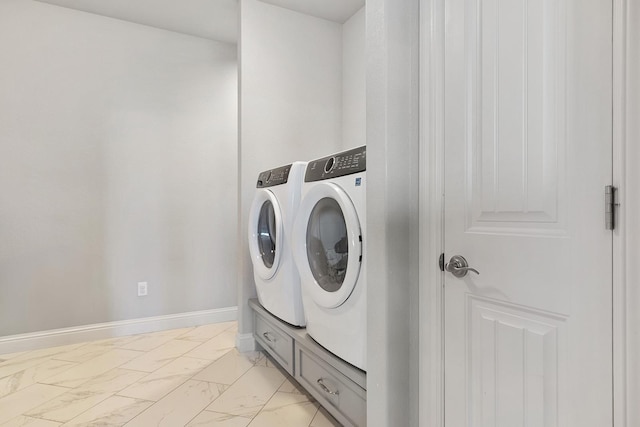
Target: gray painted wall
{"points": [[354, 81], [117, 165], [392, 212]]}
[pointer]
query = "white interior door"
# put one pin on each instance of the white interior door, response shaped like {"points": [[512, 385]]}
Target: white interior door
{"points": [[528, 99]]}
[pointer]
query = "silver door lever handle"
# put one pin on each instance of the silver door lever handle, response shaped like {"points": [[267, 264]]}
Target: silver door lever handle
{"points": [[459, 267]]}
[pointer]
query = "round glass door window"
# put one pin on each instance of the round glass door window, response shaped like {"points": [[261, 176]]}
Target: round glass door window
{"points": [[267, 234], [327, 244]]}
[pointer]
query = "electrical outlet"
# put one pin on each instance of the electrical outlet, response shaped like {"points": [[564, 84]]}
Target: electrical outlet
{"points": [[142, 289]]}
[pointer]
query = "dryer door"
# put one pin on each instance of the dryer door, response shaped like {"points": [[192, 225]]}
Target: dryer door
{"points": [[328, 246], [265, 234]]}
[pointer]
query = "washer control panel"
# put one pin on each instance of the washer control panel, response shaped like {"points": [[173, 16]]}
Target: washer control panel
{"points": [[345, 163], [273, 177]]}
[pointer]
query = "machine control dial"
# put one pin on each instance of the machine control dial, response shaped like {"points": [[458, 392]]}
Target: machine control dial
{"points": [[330, 164]]}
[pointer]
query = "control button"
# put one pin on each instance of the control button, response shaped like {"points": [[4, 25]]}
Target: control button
{"points": [[329, 165]]}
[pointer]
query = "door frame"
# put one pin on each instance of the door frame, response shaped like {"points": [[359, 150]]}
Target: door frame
{"points": [[626, 300], [431, 206], [626, 241]]}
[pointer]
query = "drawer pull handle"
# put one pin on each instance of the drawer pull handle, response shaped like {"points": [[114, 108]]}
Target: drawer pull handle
{"points": [[326, 389], [267, 336]]}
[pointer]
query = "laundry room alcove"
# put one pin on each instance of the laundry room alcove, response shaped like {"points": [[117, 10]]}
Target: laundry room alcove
{"points": [[309, 87], [302, 96]]}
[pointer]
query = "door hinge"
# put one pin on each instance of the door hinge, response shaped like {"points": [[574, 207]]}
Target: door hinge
{"points": [[441, 262], [610, 204]]}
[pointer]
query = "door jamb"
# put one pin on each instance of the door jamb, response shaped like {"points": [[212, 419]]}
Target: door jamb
{"points": [[626, 300], [431, 189]]}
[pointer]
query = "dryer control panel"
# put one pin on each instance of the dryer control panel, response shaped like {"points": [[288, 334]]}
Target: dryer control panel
{"points": [[273, 177], [345, 163]]}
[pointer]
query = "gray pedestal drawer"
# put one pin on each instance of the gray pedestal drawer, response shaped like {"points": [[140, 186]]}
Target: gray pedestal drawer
{"points": [[338, 394], [338, 386], [275, 340]]}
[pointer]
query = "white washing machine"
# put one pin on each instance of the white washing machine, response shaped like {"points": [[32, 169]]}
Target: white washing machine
{"points": [[328, 248], [270, 225]]}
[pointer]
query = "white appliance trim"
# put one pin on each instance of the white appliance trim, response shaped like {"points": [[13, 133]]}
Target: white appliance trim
{"points": [[262, 196], [97, 331], [277, 287], [329, 300], [626, 348]]}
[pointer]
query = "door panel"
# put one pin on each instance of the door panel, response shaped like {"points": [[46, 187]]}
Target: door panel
{"points": [[514, 52], [527, 155], [514, 358]]}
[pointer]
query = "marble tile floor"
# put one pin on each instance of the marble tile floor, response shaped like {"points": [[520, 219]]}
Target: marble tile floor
{"points": [[181, 377]]}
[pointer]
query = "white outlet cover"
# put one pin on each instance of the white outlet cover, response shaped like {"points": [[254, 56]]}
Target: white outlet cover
{"points": [[142, 289]]}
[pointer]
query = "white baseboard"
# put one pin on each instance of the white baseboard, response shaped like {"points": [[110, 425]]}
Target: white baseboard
{"points": [[245, 343], [56, 337]]}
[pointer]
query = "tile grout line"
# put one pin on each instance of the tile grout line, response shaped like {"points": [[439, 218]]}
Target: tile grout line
{"points": [[69, 389], [201, 342], [24, 413], [228, 387], [173, 389], [191, 378], [115, 394], [40, 381], [264, 355], [74, 388]]}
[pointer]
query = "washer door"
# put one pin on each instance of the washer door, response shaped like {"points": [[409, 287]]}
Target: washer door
{"points": [[265, 234], [328, 247]]}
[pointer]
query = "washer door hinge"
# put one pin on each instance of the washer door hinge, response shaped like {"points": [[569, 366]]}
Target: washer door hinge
{"points": [[610, 204], [441, 262]]}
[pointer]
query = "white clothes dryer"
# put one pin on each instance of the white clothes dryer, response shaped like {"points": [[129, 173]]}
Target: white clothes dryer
{"points": [[270, 225], [328, 248]]}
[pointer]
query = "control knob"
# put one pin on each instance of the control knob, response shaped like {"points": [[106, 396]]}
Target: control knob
{"points": [[329, 165]]}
